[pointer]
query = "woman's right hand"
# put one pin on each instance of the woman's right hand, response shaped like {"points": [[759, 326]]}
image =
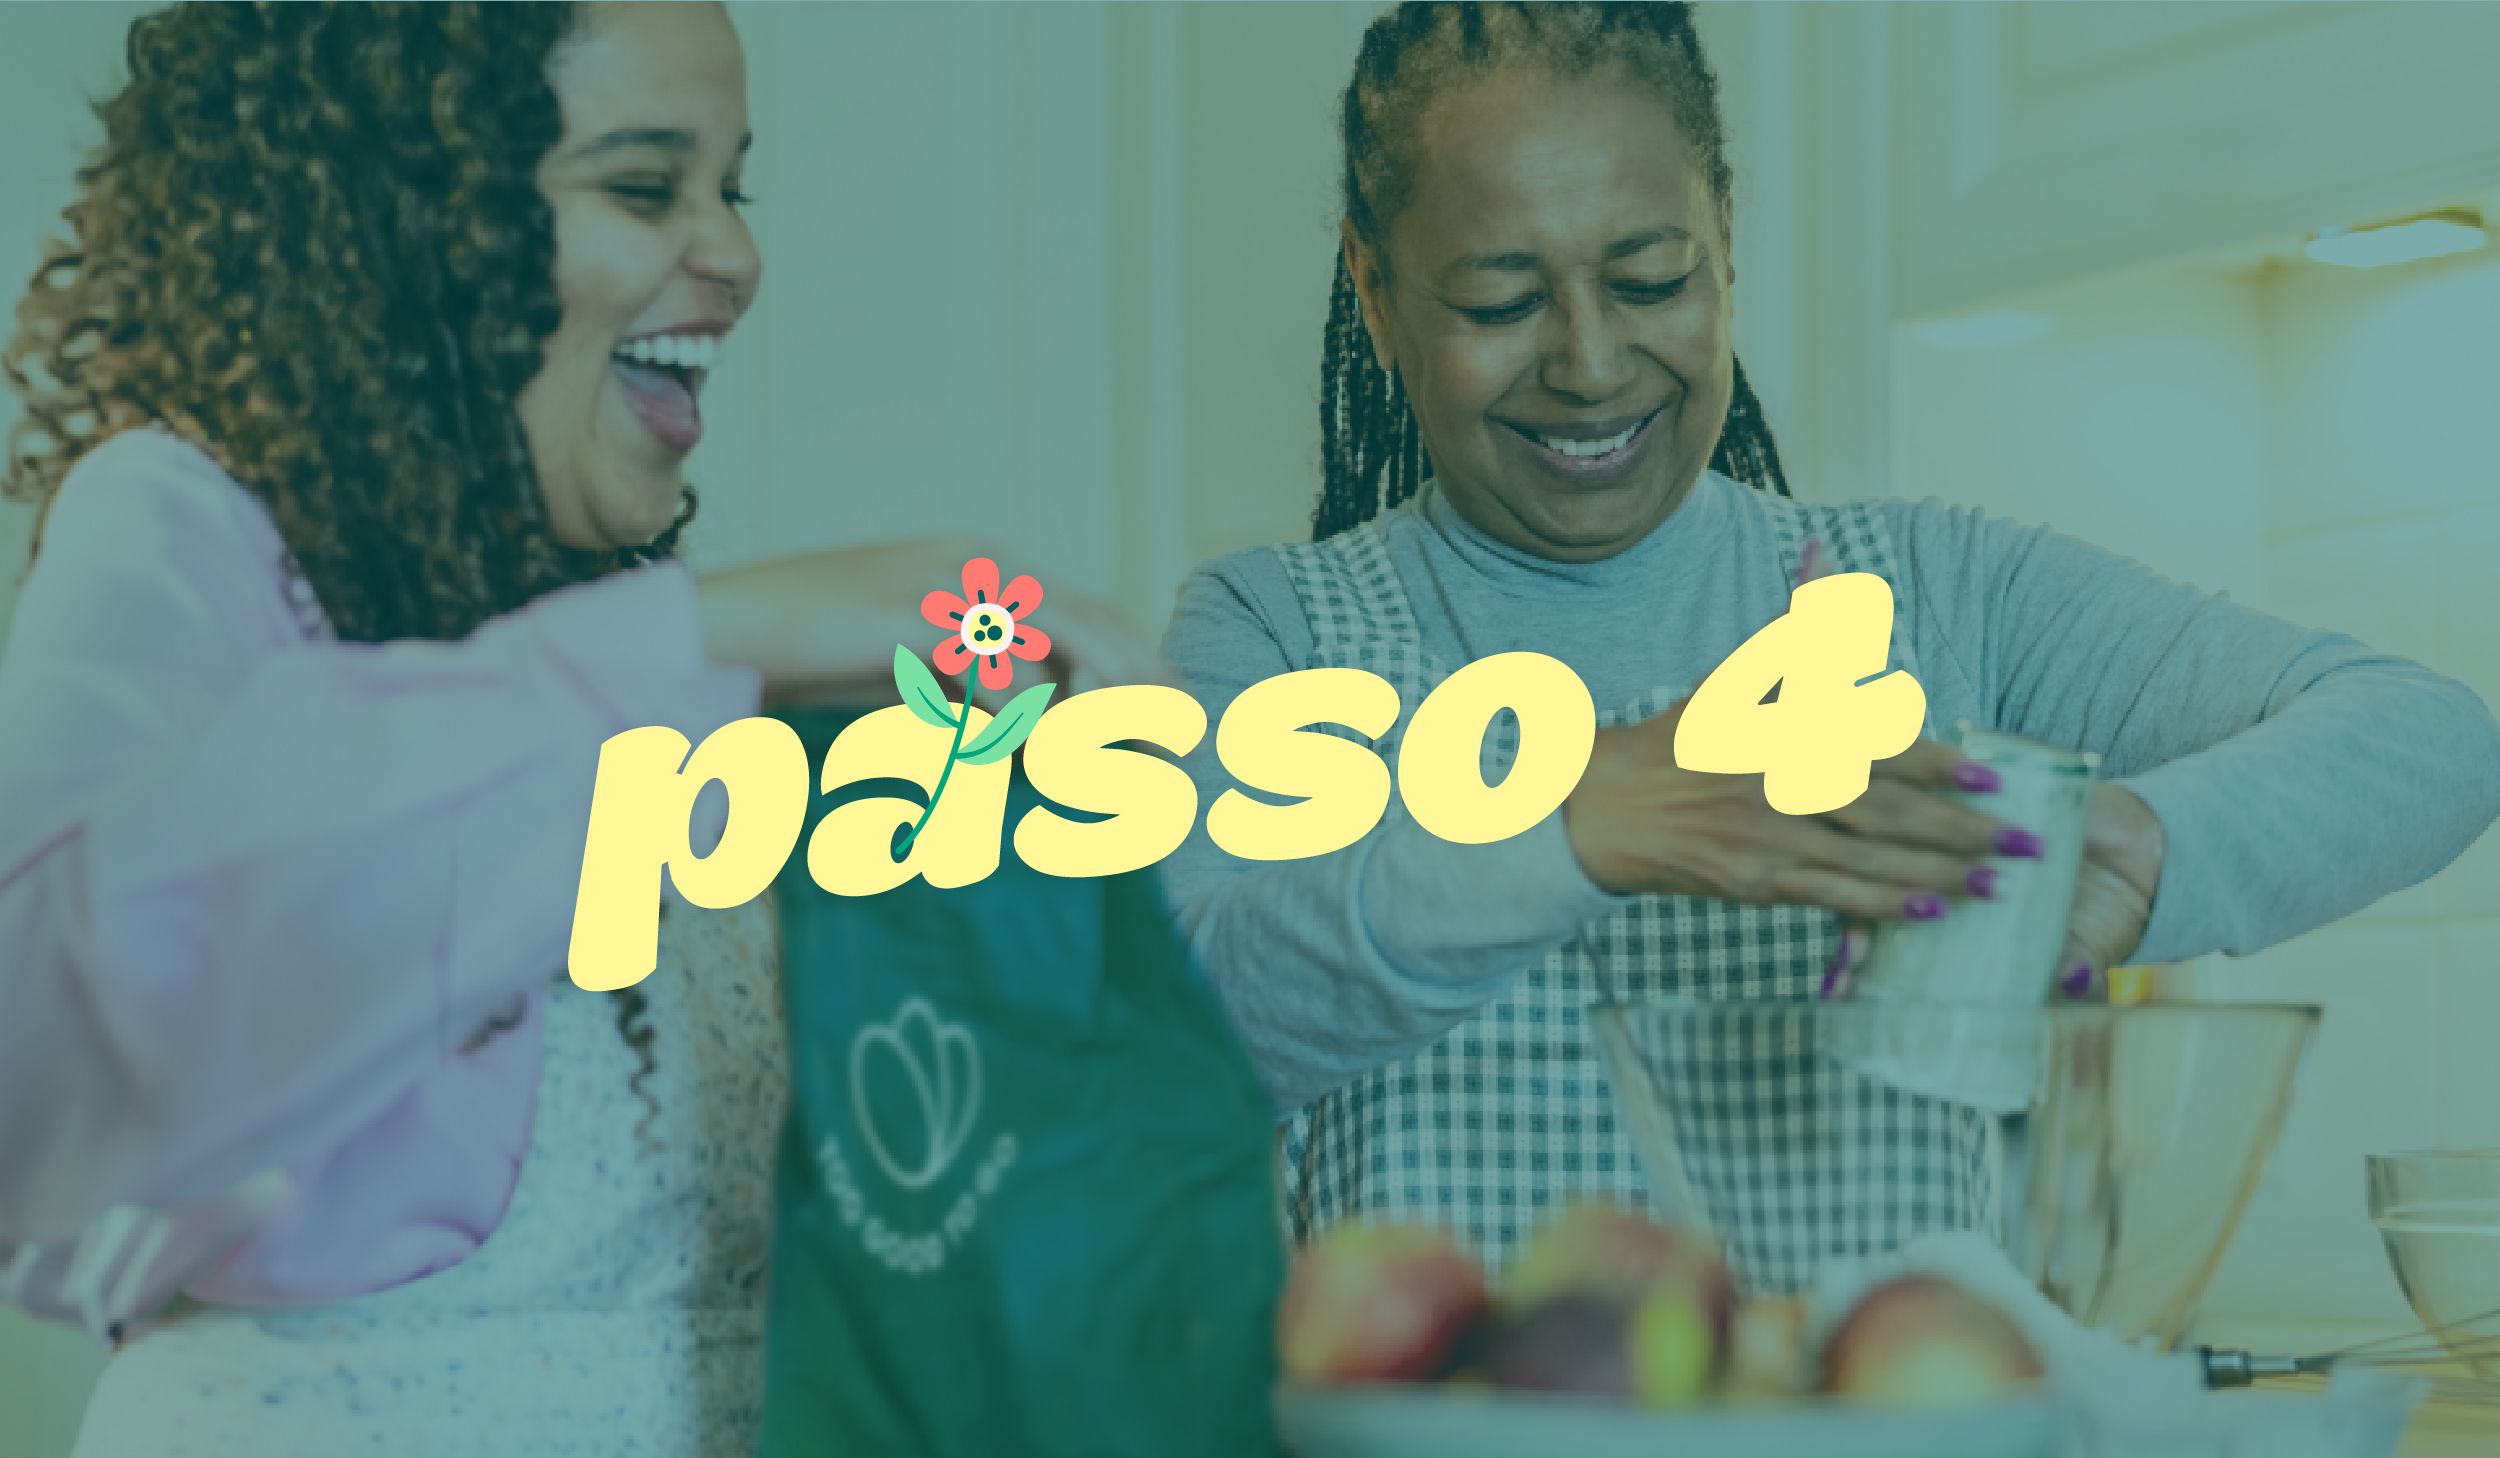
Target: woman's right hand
{"points": [[1902, 851], [822, 626]]}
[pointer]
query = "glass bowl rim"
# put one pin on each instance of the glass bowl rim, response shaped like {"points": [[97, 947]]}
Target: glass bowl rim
{"points": [[1618, 1009], [2486, 1154]]}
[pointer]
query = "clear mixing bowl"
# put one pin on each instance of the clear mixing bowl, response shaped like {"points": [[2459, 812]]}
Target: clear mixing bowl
{"points": [[2438, 1211], [2109, 1151]]}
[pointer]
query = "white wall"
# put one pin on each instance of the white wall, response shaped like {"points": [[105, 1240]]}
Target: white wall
{"points": [[1258, 222], [2137, 423], [54, 58], [58, 57], [933, 348], [1066, 278]]}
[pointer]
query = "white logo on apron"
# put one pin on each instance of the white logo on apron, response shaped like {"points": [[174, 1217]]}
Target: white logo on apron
{"points": [[945, 1071], [941, 1065]]}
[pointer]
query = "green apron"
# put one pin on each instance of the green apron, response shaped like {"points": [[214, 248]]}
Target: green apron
{"points": [[1025, 1200]]}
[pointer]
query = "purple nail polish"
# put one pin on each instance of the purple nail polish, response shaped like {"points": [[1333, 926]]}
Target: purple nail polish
{"points": [[1836, 976], [1806, 562], [1976, 777], [1982, 881], [2015, 842], [2078, 980], [1924, 907]]}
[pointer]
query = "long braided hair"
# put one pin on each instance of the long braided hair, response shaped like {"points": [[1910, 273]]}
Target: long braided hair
{"points": [[1373, 457]]}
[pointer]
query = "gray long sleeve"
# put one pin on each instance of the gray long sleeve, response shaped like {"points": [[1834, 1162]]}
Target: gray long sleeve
{"points": [[2298, 775]]}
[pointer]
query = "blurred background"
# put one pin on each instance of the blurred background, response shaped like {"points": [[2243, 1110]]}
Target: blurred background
{"points": [[1061, 271]]}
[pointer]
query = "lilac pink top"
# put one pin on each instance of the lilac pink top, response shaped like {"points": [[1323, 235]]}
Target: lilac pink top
{"points": [[265, 896]]}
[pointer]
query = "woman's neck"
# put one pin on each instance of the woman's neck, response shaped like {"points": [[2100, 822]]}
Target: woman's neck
{"points": [[1695, 519]]}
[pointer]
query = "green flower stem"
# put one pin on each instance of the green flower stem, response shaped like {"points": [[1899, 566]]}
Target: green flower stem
{"points": [[963, 716]]}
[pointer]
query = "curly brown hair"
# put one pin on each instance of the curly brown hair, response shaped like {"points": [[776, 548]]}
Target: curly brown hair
{"points": [[313, 243]]}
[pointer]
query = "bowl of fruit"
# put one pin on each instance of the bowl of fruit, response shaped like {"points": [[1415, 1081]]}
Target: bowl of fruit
{"points": [[1617, 1334], [1865, 1229]]}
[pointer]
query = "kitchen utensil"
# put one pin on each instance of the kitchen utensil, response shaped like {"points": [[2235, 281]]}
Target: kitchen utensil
{"points": [[2473, 1341], [2113, 1183]]}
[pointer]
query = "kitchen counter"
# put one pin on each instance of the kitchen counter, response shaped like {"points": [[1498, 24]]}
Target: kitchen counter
{"points": [[2442, 1429]]}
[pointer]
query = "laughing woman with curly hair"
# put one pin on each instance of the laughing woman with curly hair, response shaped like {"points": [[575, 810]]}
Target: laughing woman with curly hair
{"points": [[357, 414]]}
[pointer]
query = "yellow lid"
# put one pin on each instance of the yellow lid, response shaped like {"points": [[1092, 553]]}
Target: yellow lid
{"points": [[2131, 985]]}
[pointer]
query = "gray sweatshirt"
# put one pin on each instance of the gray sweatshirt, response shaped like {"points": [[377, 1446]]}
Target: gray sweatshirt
{"points": [[2298, 776]]}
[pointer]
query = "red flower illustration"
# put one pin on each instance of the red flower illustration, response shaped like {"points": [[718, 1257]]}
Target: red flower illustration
{"points": [[989, 626]]}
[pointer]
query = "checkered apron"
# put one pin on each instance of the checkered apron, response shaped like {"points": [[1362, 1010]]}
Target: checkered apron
{"points": [[1509, 1113]]}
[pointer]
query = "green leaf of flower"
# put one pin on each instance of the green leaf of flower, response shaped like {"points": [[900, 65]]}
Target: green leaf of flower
{"points": [[1013, 723], [920, 691]]}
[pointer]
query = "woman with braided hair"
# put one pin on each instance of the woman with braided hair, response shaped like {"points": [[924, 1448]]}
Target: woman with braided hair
{"points": [[358, 413], [1538, 439]]}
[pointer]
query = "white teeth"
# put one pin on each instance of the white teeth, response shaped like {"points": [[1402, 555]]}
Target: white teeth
{"points": [[678, 351], [1586, 448]]}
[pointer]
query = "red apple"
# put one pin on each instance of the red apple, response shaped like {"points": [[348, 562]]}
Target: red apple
{"points": [[1606, 1248], [1607, 1302], [1658, 1349], [1922, 1341], [1379, 1303]]}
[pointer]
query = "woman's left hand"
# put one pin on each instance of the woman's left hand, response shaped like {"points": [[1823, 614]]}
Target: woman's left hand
{"points": [[2122, 859]]}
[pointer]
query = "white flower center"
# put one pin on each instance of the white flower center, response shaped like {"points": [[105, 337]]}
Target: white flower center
{"points": [[988, 629]]}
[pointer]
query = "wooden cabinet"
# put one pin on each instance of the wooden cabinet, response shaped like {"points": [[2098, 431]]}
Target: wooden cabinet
{"points": [[2041, 142], [1899, 162]]}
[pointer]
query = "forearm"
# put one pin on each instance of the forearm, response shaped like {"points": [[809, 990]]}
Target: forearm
{"points": [[770, 618], [2372, 778], [2297, 775]]}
